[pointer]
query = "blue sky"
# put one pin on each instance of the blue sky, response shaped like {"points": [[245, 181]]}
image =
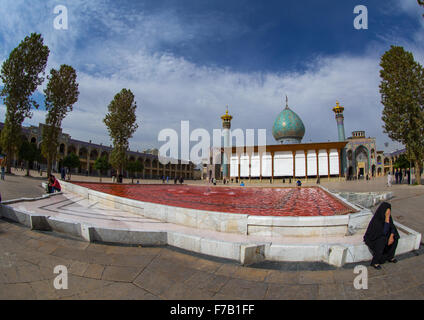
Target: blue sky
{"points": [[188, 59]]}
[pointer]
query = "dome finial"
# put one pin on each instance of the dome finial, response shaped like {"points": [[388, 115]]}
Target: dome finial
{"points": [[226, 117], [287, 102]]}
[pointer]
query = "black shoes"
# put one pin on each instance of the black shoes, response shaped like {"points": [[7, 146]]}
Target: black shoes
{"points": [[393, 260], [378, 267]]}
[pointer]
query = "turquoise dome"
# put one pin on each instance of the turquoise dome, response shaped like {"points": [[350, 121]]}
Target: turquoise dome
{"points": [[288, 127]]}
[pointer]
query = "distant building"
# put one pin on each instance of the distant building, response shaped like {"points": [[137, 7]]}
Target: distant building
{"points": [[291, 158], [361, 154], [153, 151], [391, 158], [89, 152]]}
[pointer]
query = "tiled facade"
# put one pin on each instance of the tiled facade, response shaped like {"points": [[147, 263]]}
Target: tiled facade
{"points": [[362, 157]]}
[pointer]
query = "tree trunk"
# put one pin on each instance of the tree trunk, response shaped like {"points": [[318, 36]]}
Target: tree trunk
{"points": [[27, 173], [9, 161], [418, 172], [49, 166]]}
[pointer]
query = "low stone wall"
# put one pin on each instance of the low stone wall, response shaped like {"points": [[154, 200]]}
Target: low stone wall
{"points": [[366, 199], [243, 250], [270, 226]]}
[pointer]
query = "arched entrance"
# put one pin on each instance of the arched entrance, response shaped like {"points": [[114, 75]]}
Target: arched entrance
{"points": [[362, 162]]}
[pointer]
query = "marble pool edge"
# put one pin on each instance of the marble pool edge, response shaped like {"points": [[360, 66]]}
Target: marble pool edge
{"points": [[239, 223], [245, 251]]}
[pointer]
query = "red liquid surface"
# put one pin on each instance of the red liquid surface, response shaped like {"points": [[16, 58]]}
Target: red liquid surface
{"points": [[307, 201]]}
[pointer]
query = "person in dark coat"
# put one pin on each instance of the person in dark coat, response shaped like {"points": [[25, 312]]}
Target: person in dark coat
{"points": [[382, 236]]}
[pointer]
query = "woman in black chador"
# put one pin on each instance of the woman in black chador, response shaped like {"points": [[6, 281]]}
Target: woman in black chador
{"points": [[382, 236]]}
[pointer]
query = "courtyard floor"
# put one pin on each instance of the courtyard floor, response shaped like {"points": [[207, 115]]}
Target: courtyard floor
{"points": [[101, 271]]}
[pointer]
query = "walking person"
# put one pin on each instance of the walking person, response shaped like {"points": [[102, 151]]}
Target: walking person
{"points": [[389, 179], [382, 236]]}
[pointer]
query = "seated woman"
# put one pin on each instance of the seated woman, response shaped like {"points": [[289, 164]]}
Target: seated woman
{"points": [[382, 236], [53, 184]]}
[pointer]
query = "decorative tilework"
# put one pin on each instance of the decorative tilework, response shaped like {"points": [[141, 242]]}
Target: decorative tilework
{"points": [[288, 127]]}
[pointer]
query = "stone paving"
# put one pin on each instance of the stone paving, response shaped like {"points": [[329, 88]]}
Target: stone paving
{"points": [[101, 271]]}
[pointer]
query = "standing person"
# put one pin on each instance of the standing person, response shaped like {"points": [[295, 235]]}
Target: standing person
{"points": [[400, 176], [409, 176], [163, 179], [167, 179], [3, 164], [382, 236], [396, 176], [389, 179]]}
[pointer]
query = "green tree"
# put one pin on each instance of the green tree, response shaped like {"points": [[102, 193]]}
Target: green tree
{"points": [[103, 165], [29, 152], [134, 167], [61, 94], [402, 95], [71, 161], [121, 124], [21, 73], [402, 162], [421, 3]]}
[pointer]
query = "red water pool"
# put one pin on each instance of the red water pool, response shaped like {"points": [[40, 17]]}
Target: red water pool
{"points": [[308, 201]]}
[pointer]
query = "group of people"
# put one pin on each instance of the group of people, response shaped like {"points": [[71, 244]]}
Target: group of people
{"points": [[181, 180], [399, 175], [176, 180]]}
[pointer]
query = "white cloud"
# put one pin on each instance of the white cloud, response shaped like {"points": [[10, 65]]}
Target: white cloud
{"points": [[169, 89]]}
